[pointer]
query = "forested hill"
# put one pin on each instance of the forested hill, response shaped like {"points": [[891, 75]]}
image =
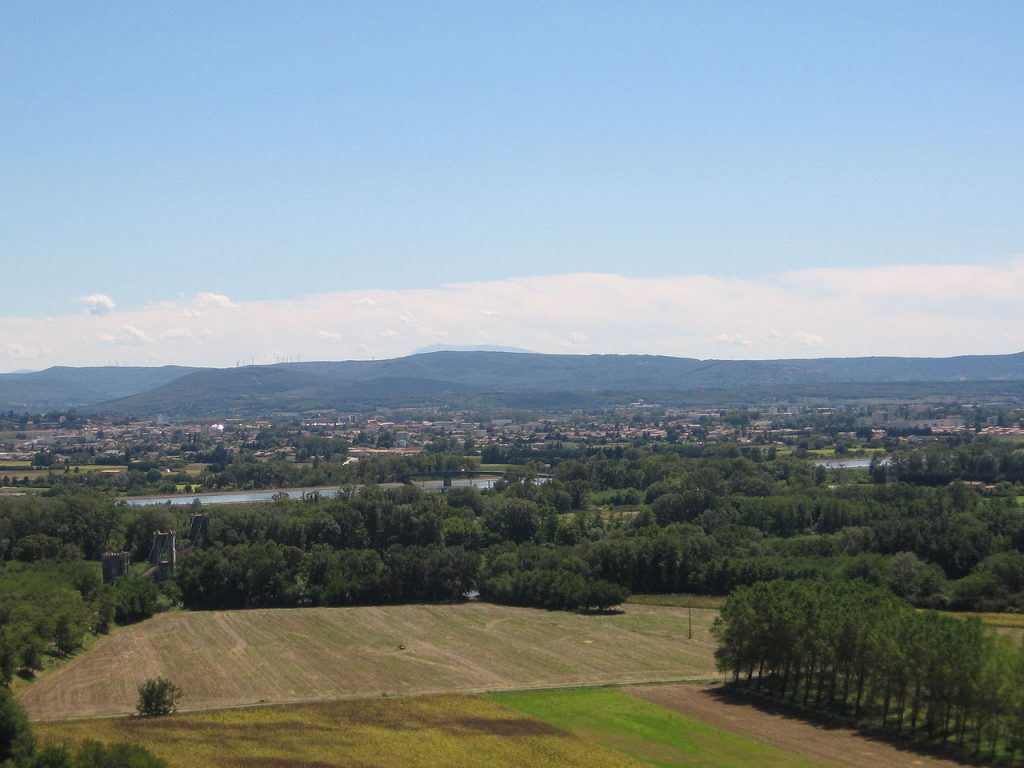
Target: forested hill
{"points": [[529, 380], [62, 387]]}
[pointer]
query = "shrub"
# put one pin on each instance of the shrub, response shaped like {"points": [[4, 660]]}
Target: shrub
{"points": [[158, 696]]}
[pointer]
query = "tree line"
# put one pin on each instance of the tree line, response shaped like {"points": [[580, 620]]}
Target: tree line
{"points": [[858, 651], [656, 518]]}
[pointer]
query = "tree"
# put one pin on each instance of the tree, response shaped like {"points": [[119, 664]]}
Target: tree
{"points": [[158, 696], [15, 732]]}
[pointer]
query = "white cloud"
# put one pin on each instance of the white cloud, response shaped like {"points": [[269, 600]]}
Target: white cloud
{"points": [[186, 333], [575, 339], [368, 301], [903, 310], [213, 300], [810, 339], [735, 339], [19, 352], [128, 336], [98, 303]]}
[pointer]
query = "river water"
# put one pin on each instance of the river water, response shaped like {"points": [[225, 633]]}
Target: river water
{"points": [[239, 497], [848, 463]]}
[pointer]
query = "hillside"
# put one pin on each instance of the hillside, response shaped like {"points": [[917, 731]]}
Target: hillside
{"points": [[230, 658], [506, 379], [62, 387]]}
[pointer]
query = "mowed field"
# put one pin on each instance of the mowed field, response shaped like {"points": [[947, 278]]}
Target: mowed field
{"points": [[666, 726], [648, 732], [593, 727], [437, 731], [834, 746], [238, 658]]}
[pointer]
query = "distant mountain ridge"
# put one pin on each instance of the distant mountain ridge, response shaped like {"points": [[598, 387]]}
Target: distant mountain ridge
{"points": [[444, 375], [63, 387]]}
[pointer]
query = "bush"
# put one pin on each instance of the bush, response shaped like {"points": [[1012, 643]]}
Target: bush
{"points": [[158, 696], [117, 755]]}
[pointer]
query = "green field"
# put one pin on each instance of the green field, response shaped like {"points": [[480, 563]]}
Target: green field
{"points": [[596, 728], [680, 600], [31, 474], [662, 725], [34, 474], [406, 733], [652, 734], [1012, 620], [1011, 624]]}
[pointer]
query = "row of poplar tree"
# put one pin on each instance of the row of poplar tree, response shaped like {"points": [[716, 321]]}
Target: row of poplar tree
{"points": [[859, 651]]}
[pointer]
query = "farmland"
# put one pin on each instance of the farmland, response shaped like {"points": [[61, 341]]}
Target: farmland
{"points": [[233, 658], [1009, 624], [828, 745], [647, 731], [435, 731], [664, 725], [678, 600]]}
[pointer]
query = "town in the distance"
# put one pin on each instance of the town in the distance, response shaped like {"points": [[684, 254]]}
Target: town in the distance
{"points": [[802, 555]]}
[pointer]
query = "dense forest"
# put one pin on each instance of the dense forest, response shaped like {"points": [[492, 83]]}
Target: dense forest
{"points": [[939, 526]]}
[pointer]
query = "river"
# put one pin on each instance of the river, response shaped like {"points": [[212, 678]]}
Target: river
{"points": [[849, 463], [239, 497]]}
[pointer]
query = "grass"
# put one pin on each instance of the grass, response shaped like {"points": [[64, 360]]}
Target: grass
{"points": [[18, 473], [647, 732], [1008, 620], [53, 661], [31, 474], [406, 733], [679, 600], [609, 513], [231, 658]]}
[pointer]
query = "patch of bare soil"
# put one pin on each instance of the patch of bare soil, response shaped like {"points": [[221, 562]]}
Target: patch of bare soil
{"points": [[834, 746]]}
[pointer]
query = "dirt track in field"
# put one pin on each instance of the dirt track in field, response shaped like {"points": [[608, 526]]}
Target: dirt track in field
{"points": [[837, 747], [237, 658]]}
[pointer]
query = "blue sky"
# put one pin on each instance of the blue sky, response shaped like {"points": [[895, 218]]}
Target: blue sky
{"points": [[276, 154]]}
